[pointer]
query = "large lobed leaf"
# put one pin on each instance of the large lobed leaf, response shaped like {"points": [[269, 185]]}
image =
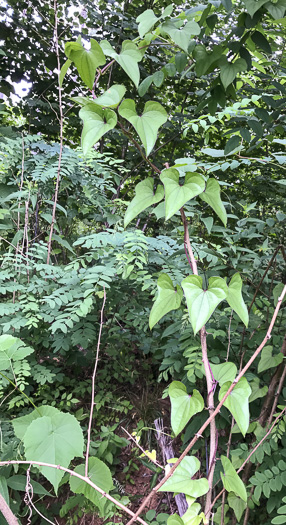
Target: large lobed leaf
{"points": [[50, 436]]}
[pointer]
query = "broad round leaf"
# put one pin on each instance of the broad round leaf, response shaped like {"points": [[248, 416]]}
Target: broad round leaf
{"points": [[211, 195], [96, 122], [183, 405], [144, 197], [112, 97], [99, 474], [85, 61], [235, 299], [146, 21], [12, 349], [54, 438], [201, 303], [147, 124], [177, 195], [231, 480], [181, 480], [224, 372], [168, 299], [237, 402], [267, 360], [229, 70], [181, 35], [128, 58]]}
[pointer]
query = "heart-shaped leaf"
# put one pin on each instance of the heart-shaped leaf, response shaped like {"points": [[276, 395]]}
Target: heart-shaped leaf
{"points": [[96, 122], [237, 504], [85, 61], [55, 438], [128, 58], [168, 299], [112, 97], [235, 299], [237, 402], [175, 520], [181, 480], [201, 303], [224, 372], [181, 35], [147, 124], [268, 360], [12, 349], [231, 480], [177, 195], [211, 195], [146, 21], [229, 70], [183, 405], [100, 475], [144, 197]]}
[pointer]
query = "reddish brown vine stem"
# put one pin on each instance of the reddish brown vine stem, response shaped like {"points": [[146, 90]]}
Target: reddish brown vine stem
{"points": [[215, 412]]}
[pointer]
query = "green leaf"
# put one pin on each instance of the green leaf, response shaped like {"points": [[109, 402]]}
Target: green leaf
{"points": [[177, 195], [235, 299], [18, 482], [168, 299], [85, 61], [277, 10], [181, 35], [158, 78], [277, 291], [4, 489], [96, 122], [267, 360], [55, 438], [12, 349], [253, 5], [175, 520], [144, 86], [112, 97], [237, 504], [260, 41], [144, 197], [224, 372], [232, 144], [63, 71], [211, 195], [204, 60], [147, 124], [99, 474], [237, 402], [201, 303], [183, 405], [229, 70], [181, 480], [146, 21], [231, 480], [128, 58]]}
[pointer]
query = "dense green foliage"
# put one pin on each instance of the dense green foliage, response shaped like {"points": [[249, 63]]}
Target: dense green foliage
{"points": [[182, 133]]}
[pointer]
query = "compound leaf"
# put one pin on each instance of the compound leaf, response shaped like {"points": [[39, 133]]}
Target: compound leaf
{"points": [[237, 402], [177, 195], [183, 405], [96, 122], [211, 195], [201, 303], [144, 197], [181, 480], [235, 299], [168, 299], [147, 124]]}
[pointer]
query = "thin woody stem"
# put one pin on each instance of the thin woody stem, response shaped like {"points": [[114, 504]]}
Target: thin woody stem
{"points": [[93, 384], [215, 412]]}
